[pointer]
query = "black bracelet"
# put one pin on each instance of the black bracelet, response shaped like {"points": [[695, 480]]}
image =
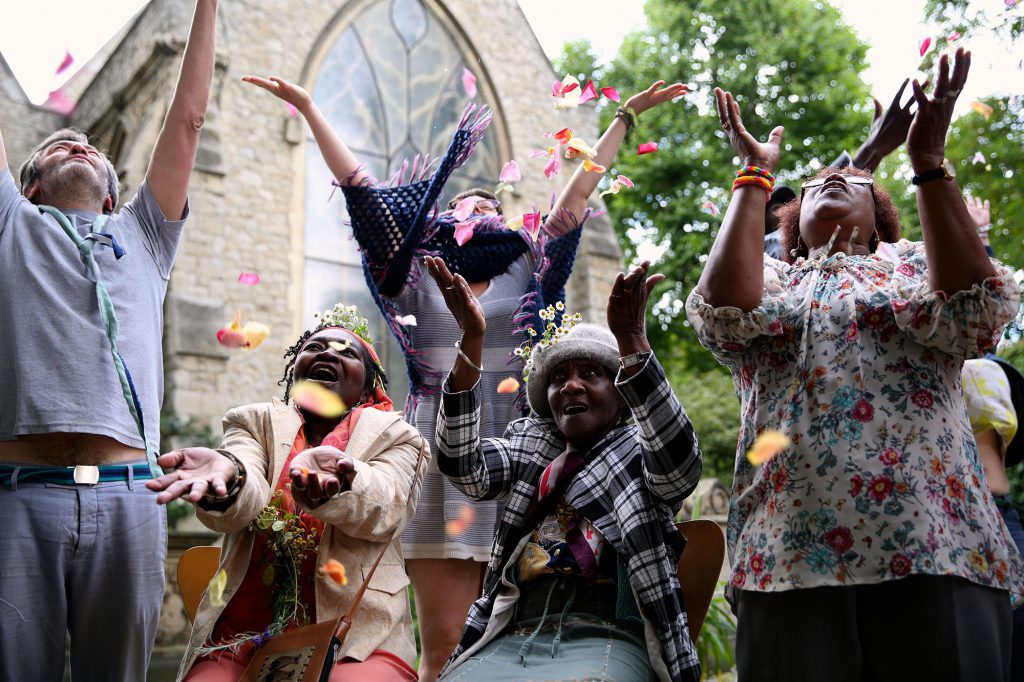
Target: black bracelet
{"points": [[235, 487], [628, 116]]}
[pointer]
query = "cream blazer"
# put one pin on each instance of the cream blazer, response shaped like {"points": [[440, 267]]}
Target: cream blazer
{"points": [[385, 448]]}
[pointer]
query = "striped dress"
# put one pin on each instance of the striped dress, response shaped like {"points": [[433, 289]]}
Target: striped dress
{"points": [[447, 525]]}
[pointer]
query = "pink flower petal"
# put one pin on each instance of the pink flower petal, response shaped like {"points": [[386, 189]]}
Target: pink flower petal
{"points": [[646, 148], [924, 45], [588, 93], [563, 136], [531, 223], [508, 385], [978, 158], [625, 181], [292, 111], [469, 83], [540, 152], [231, 338], [556, 89], [566, 89], [464, 231], [554, 165], [1010, 3], [249, 278], [406, 320], [464, 208], [510, 172], [611, 93], [65, 63], [953, 36], [710, 207]]}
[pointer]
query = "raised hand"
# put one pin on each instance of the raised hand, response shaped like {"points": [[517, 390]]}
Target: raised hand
{"points": [[655, 95], [464, 306], [320, 473], [282, 89], [627, 308], [926, 141], [979, 210], [196, 472], [887, 132], [750, 151]]}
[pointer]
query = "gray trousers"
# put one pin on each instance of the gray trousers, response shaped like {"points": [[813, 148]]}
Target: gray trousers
{"points": [[934, 628], [84, 560]]}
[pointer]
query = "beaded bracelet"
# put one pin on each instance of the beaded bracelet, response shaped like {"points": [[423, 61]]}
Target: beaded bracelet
{"points": [[235, 487], [629, 117], [753, 180], [747, 171]]}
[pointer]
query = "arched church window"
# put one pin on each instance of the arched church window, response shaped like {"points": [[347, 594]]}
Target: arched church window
{"points": [[390, 84]]}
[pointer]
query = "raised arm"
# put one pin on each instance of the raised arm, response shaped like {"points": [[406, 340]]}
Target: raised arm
{"points": [[582, 184], [467, 312], [888, 131], [170, 167], [733, 275], [3, 152], [342, 163], [956, 256]]}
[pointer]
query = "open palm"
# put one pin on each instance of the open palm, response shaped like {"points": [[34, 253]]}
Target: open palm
{"points": [[750, 151]]}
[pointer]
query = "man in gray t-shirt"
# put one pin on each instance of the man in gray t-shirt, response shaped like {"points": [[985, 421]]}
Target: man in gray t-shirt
{"points": [[84, 542]]}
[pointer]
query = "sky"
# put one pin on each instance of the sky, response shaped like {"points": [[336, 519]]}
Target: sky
{"points": [[82, 31]]}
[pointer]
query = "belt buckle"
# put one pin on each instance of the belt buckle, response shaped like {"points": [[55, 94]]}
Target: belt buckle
{"points": [[86, 474]]}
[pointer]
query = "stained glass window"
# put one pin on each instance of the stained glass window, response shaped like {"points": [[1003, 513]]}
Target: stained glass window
{"points": [[390, 85]]}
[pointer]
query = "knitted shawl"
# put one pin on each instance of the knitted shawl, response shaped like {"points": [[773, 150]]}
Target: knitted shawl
{"points": [[399, 221]]}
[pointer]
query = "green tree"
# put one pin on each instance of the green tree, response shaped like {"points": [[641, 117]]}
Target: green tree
{"points": [[790, 62]]}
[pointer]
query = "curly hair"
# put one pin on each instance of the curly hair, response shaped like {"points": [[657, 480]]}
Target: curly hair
{"points": [[887, 217], [373, 370]]}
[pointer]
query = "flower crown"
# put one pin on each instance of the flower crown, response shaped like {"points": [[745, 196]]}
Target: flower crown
{"points": [[346, 316], [552, 334]]}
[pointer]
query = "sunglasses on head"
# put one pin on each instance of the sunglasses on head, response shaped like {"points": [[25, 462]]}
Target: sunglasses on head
{"points": [[850, 179]]}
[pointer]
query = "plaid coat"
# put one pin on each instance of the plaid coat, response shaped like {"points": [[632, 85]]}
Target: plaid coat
{"points": [[635, 479]]}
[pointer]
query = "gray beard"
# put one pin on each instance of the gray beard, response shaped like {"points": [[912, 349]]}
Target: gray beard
{"points": [[71, 184]]}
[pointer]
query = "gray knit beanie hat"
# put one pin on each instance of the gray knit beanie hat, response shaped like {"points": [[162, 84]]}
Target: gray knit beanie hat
{"points": [[583, 342]]}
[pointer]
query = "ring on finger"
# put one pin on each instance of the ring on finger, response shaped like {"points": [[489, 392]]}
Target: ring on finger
{"points": [[726, 126], [940, 98], [449, 287]]}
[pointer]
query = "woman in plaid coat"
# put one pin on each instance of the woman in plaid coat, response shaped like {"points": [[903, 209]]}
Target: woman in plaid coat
{"points": [[582, 576]]}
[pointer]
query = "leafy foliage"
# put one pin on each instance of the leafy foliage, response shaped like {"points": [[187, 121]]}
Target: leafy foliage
{"points": [[800, 78]]}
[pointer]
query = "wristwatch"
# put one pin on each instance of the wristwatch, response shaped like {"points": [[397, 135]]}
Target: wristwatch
{"points": [[634, 359], [945, 172]]}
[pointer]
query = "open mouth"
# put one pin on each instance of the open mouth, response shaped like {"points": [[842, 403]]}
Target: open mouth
{"points": [[323, 373], [574, 409]]}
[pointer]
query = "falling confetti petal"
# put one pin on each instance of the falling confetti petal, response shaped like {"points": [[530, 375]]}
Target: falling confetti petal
{"points": [[924, 45], [233, 335], [577, 148], [460, 524], [292, 111], [600, 211], [469, 83], [646, 148], [978, 158], [611, 93], [249, 278], [508, 385], [589, 92], [982, 108], [216, 588], [554, 165], [65, 63], [567, 96], [255, 334], [953, 36], [317, 399], [334, 570], [406, 320], [340, 346], [710, 207], [626, 182], [465, 207], [591, 167], [768, 444], [510, 172], [1010, 3], [464, 231], [563, 136], [531, 223]]}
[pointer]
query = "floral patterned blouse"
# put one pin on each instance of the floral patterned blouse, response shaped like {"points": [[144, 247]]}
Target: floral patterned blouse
{"points": [[858, 362]]}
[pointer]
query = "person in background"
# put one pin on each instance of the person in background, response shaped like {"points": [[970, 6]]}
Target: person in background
{"points": [[869, 547], [81, 383], [396, 224]]}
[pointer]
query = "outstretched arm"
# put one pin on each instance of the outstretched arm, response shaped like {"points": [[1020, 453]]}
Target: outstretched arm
{"points": [[342, 163], [174, 155], [888, 131], [3, 152], [956, 257], [734, 273], [582, 184]]}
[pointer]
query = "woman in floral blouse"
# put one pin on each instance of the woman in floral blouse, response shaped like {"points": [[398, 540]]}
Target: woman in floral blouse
{"points": [[870, 548]]}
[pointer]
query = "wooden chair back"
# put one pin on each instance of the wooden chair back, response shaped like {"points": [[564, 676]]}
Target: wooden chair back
{"points": [[196, 569], [699, 568]]}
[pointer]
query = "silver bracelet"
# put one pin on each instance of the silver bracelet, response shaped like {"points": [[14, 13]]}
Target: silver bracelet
{"points": [[458, 347], [984, 229]]}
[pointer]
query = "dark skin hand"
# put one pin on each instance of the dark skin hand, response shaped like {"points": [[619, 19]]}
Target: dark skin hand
{"points": [[196, 472], [467, 312], [888, 130], [627, 309]]}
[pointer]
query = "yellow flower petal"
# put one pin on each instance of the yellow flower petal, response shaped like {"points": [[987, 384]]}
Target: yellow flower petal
{"points": [[317, 399], [768, 444], [508, 385], [334, 570], [216, 588], [255, 334]]}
